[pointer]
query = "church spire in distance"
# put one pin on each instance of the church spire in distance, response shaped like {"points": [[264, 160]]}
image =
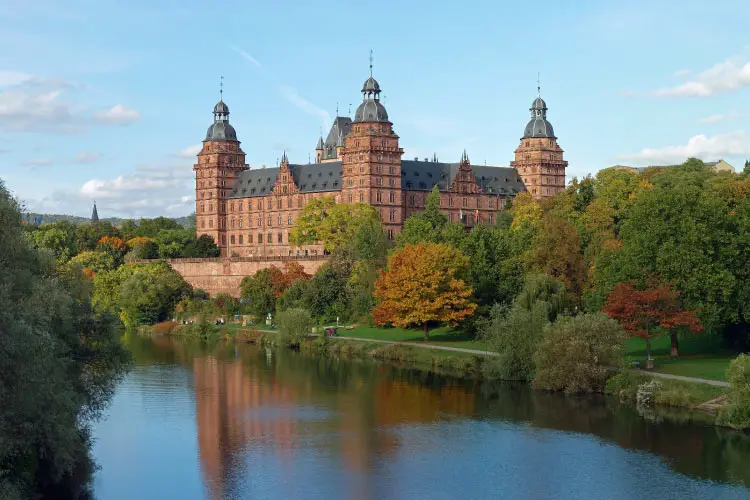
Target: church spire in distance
{"points": [[94, 215]]}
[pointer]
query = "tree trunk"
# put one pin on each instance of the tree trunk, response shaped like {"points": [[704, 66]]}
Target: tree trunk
{"points": [[426, 333], [675, 344], [649, 361]]}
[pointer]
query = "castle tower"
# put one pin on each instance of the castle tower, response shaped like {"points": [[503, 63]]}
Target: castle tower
{"points": [[219, 163], [371, 160], [319, 150], [539, 159]]}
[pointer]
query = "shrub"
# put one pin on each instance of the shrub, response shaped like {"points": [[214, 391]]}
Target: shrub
{"points": [[738, 375], [624, 385], [294, 325], [576, 354]]}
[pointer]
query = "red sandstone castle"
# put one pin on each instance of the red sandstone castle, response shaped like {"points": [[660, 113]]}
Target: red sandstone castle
{"points": [[250, 212]]}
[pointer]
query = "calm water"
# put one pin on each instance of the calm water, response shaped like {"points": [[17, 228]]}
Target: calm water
{"points": [[224, 422]]}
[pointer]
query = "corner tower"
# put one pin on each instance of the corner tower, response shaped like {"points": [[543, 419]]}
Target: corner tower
{"points": [[371, 159], [219, 163], [539, 159]]}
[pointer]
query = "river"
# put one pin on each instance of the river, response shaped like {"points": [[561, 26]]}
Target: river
{"points": [[195, 421]]}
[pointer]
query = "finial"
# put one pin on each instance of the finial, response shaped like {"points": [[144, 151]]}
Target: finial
{"points": [[370, 63], [221, 89], [538, 86], [337, 108], [308, 158], [350, 110]]}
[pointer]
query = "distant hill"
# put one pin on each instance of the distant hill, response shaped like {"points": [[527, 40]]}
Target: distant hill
{"points": [[32, 217]]}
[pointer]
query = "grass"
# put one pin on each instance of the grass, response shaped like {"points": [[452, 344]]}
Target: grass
{"points": [[442, 336], [701, 356], [675, 393]]}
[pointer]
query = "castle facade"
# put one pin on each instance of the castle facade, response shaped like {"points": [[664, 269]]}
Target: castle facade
{"points": [[250, 212]]}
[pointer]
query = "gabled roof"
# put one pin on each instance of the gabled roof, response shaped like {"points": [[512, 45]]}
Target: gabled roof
{"points": [[309, 177], [341, 127]]}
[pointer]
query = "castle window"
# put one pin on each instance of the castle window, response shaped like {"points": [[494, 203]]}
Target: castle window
{"points": [[203, 208], [465, 202], [479, 202], [269, 201], [210, 223], [350, 197], [288, 203], [231, 239], [240, 221], [203, 224], [450, 201], [279, 220], [250, 238], [390, 234], [377, 169], [224, 239], [392, 182], [280, 238], [378, 197], [392, 170], [269, 238], [361, 197], [278, 203], [411, 200], [231, 206], [379, 181], [489, 218], [283, 189], [260, 238], [210, 195], [241, 240], [392, 215], [283, 178], [299, 202], [270, 221], [361, 170], [260, 221], [391, 196], [232, 222], [492, 203], [289, 220]]}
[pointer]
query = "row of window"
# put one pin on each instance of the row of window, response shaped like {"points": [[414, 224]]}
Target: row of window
{"points": [[239, 221], [259, 239]]}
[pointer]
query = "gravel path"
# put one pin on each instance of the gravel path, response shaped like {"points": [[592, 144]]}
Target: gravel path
{"points": [[423, 346]]}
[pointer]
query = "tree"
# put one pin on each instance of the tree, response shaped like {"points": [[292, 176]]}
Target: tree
{"points": [[88, 235], [60, 363], [202, 247], [642, 311], [258, 291], [281, 280], [294, 325], [327, 296], [746, 170], [334, 226], [577, 353], [142, 247], [56, 240], [424, 227], [95, 261], [424, 284], [149, 295]]}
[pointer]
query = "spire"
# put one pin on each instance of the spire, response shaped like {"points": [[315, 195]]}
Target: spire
{"points": [[370, 63], [465, 157], [337, 108], [94, 215], [319, 147], [284, 159], [538, 86], [221, 89]]}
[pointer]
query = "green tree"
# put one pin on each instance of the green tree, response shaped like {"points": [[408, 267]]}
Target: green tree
{"points": [[56, 240], [576, 354], [424, 227], [88, 235], [60, 362], [738, 375], [96, 261], [257, 290], [202, 247], [328, 296], [149, 295], [294, 325], [334, 226], [746, 170]]}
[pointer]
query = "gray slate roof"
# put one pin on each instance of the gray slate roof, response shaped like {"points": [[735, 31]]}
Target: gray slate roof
{"points": [[415, 176], [340, 128]]}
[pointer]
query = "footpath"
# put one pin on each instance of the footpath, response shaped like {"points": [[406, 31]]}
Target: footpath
{"points": [[717, 383]]}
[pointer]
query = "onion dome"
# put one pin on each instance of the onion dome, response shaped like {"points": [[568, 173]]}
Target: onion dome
{"points": [[538, 125], [371, 109], [220, 129]]}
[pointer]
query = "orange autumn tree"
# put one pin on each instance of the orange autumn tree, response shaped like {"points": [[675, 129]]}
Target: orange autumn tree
{"points": [[643, 311], [283, 279], [423, 284]]}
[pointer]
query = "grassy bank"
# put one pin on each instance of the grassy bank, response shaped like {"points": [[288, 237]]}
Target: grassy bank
{"points": [[451, 362], [701, 356], [662, 392], [443, 336]]}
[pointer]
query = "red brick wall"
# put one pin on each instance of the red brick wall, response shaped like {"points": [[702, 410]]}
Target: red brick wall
{"points": [[224, 274]]}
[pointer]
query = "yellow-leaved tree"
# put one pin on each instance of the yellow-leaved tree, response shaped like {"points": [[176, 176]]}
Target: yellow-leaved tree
{"points": [[423, 284], [333, 226]]}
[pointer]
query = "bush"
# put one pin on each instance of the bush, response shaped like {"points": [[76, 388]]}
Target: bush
{"points": [[624, 386], [514, 335], [738, 375], [576, 354], [294, 325]]}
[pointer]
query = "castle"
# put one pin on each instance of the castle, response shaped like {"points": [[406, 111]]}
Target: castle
{"points": [[250, 212]]}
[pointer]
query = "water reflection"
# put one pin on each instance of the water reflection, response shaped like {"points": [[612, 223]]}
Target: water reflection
{"points": [[289, 424]]}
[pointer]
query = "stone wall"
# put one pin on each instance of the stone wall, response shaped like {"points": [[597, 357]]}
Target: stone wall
{"points": [[224, 274]]}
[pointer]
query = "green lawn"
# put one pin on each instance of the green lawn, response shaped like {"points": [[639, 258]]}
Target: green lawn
{"points": [[443, 336], [701, 356]]}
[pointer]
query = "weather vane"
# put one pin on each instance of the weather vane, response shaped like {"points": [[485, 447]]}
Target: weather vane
{"points": [[221, 89], [538, 86], [370, 62]]}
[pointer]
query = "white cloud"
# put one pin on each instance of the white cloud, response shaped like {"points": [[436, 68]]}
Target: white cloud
{"points": [[291, 95], [86, 157], [247, 56], [681, 73], [713, 118], [35, 112], [699, 146], [727, 76], [13, 78], [39, 162], [117, 115], [190, 151]]}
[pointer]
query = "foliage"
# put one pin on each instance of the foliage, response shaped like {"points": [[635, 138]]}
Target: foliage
{"points": [[327, 295], [60, 361], [643, 310], [95, 261], [142, 247], [258, 291], [149, 295], [545, 291], [577, 353], [330, 224], [424, 283], [202, 247], [294, 325], [281, 280], [59, 241], [426, 226], [88, 236], [292, 296], [738, 375]]}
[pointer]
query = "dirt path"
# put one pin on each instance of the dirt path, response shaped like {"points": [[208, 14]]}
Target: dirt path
{"points": [[423, 346], [717, 383]]}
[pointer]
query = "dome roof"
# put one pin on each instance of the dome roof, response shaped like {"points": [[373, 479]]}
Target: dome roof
{"points": [[538, 104], [371, 85], [221, 131], [539, 127], [221, 108], [371, 111]]}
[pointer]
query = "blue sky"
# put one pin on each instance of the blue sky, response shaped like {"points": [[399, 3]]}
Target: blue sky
{"points": [[108, 101]]}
